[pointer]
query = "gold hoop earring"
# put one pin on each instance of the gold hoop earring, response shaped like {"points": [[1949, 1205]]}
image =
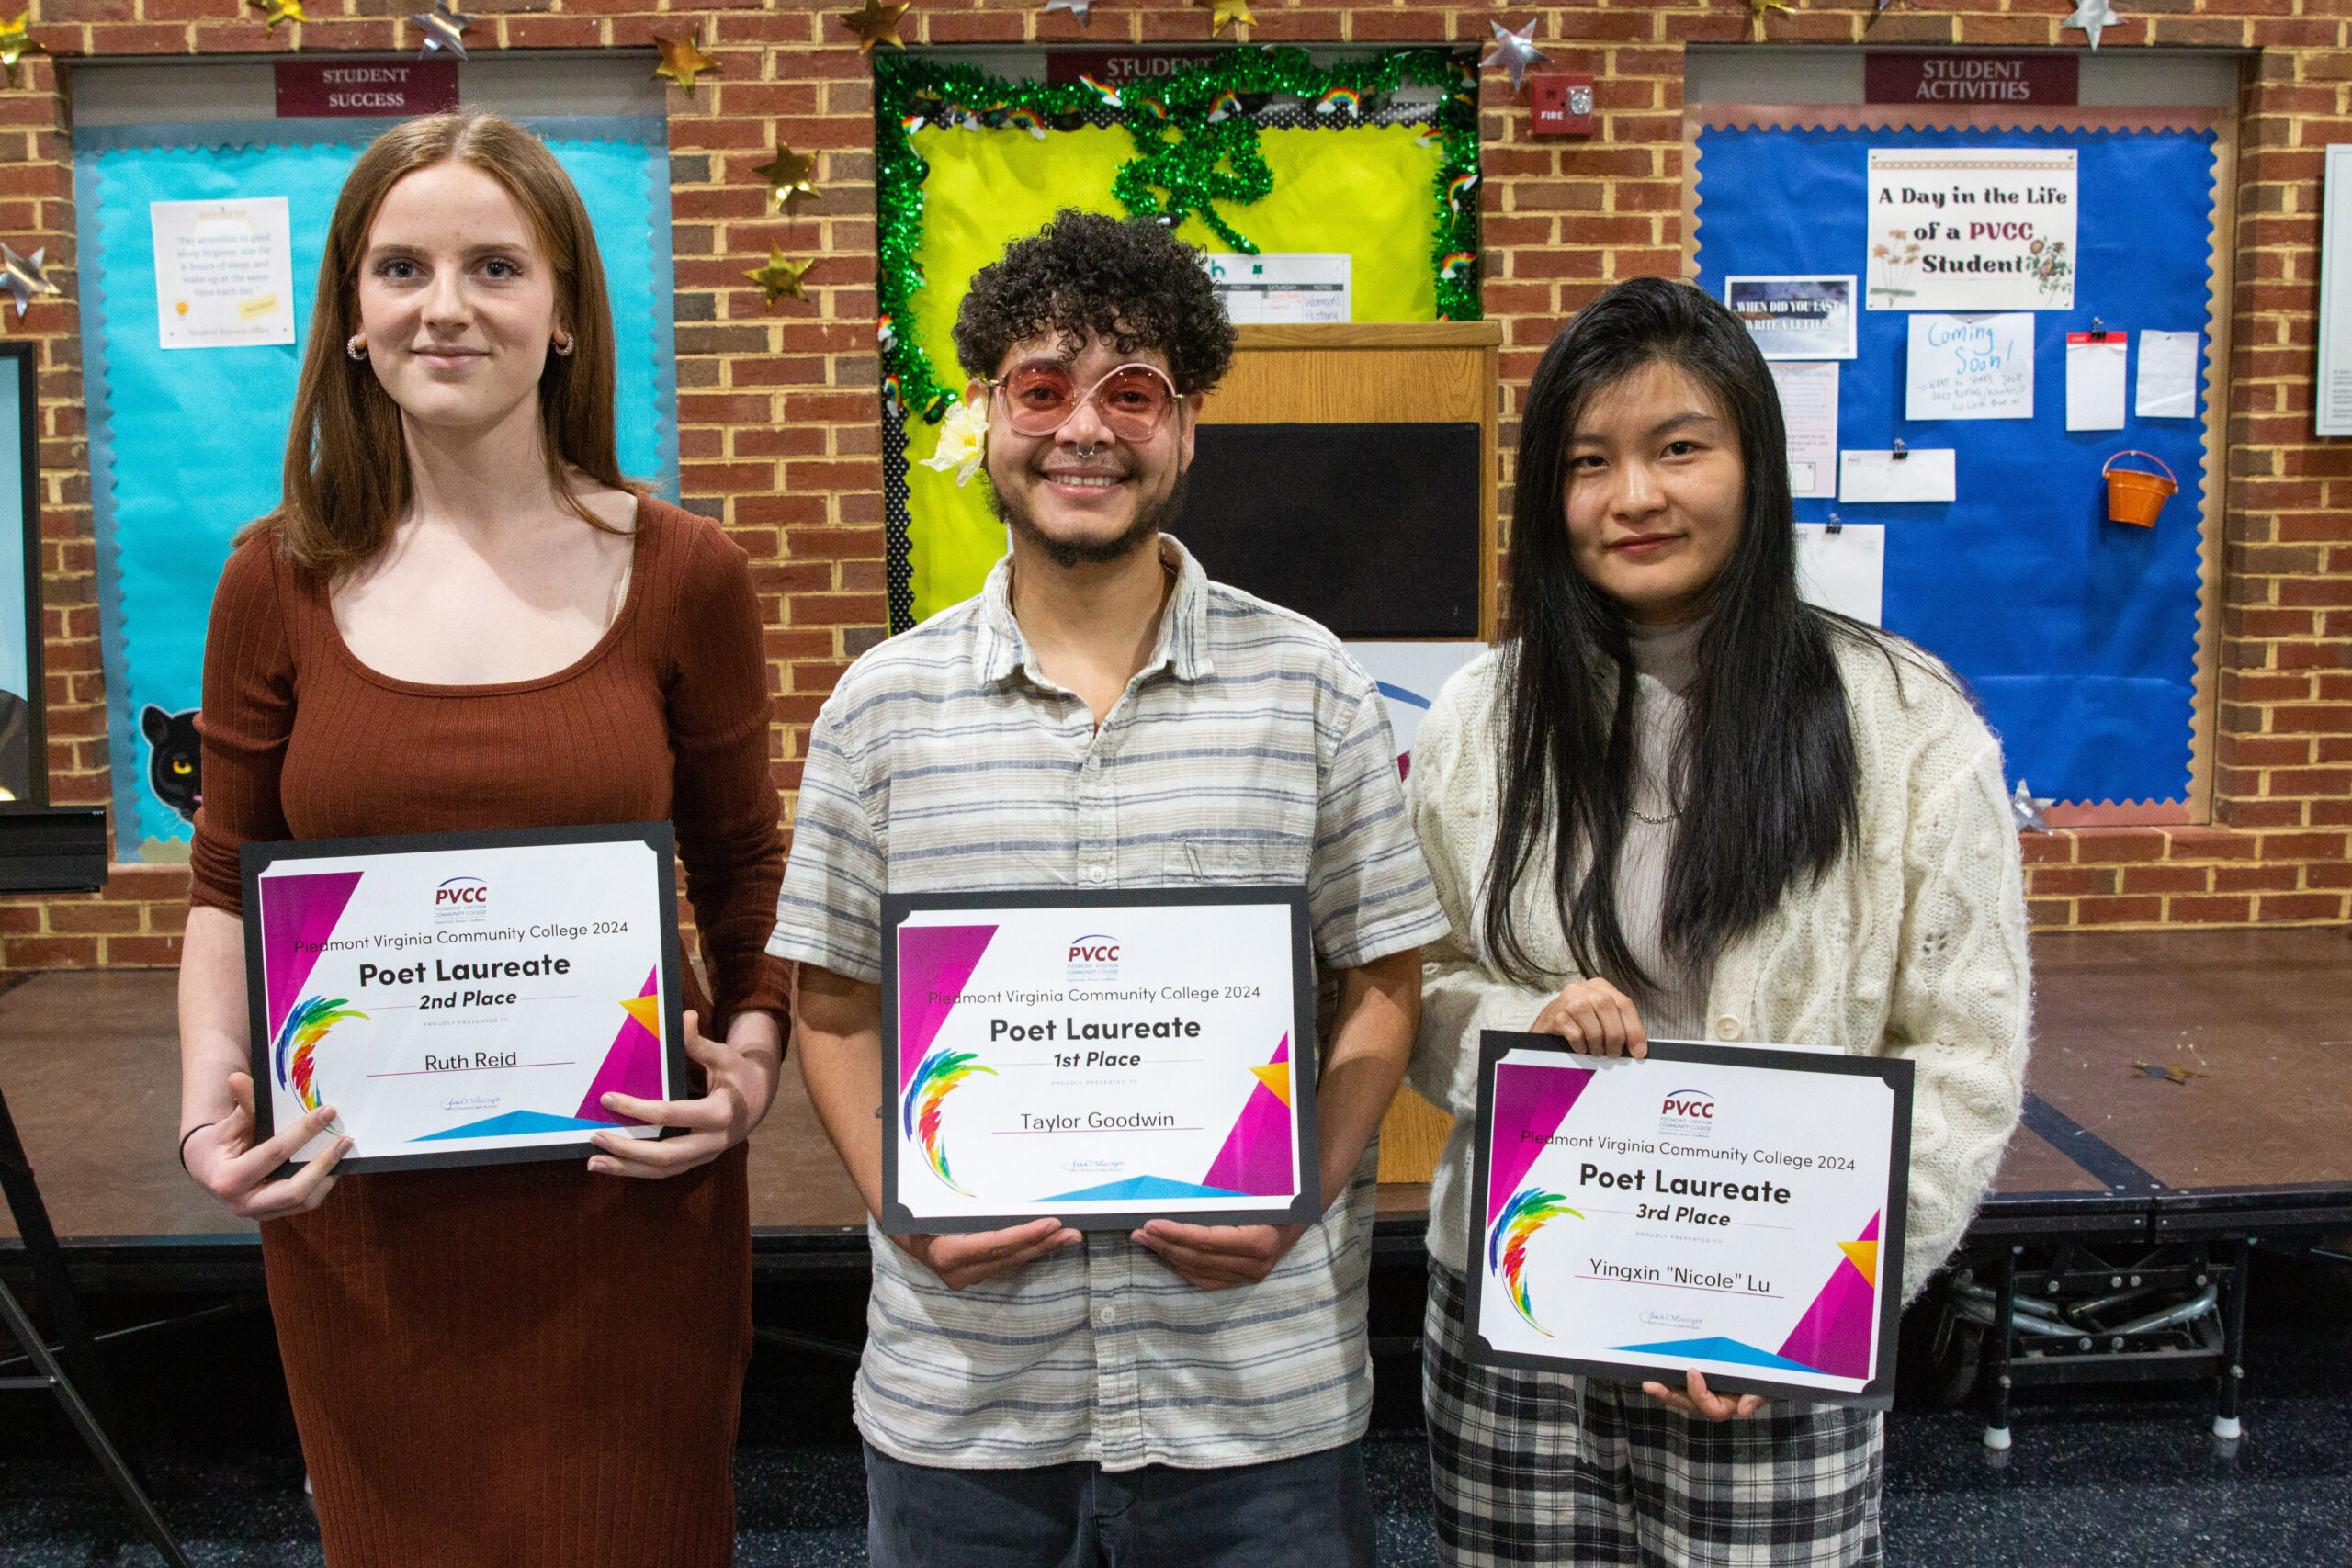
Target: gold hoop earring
{"points": [[357, 348]]}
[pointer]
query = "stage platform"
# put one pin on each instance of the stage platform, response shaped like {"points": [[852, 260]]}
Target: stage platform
{"points": [[2182, 1084]]}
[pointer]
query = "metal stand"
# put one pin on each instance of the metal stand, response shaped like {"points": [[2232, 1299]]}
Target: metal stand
{"points": [[2002, 1338], [2231, 1379], [49, 1268]]}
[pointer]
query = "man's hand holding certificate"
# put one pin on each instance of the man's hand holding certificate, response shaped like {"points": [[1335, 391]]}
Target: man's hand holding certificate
{"points": [[1734, 1210]]}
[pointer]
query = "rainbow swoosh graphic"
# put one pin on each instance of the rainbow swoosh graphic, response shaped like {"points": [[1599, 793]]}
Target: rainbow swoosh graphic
{"points": [[1529, 1211], [937, 1078], [298, 1040]]}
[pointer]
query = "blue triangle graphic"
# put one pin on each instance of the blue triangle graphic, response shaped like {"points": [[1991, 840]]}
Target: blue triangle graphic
{"points": [[515, 1122], [1141, 1187], [1719, 1350]]}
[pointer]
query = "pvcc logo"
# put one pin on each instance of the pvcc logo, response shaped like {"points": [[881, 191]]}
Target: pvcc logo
{"points": [[1687, 1113], [1095, 957], [463, 898]]}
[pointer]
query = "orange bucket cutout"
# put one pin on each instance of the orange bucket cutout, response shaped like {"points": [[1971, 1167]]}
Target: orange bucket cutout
{"points": [[2135, 497]]}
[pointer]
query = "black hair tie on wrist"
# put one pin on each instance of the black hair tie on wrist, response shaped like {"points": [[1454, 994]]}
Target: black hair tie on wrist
{"points": [[191, 1132]]}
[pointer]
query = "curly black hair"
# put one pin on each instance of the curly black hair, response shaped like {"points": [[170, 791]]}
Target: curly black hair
{"points": [[1133, 284]]}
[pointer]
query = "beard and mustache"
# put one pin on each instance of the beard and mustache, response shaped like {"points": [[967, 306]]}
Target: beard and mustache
{"points": [[1145, 526]]}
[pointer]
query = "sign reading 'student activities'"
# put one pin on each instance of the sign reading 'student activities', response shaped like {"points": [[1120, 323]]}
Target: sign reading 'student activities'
{"points": [[1971, 228]]}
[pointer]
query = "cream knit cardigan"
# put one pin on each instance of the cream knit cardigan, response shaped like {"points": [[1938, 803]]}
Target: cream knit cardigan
{"points": [[1913, 945]]}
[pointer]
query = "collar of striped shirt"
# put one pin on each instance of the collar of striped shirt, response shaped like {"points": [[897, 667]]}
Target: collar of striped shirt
{"points": [[1183, 643]]}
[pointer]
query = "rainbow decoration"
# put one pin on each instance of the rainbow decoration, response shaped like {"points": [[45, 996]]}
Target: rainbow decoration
{"points": [[1459, 187], [1110, 95], [1456, 266], [298, 1041], [911, 123], [1529, 1211], [1225, 103], [892, 398], [1027, 120], [1339, 98], [935, 1080]]}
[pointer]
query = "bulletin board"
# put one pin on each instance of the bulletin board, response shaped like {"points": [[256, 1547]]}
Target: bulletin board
{"points": [[1260, 149], [187, 445], [2089, 643]]}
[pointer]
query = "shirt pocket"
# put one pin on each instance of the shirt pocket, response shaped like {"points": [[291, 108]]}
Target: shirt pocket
{"points": [[1208, 863]]}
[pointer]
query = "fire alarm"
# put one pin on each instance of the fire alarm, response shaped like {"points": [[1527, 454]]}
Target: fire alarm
{"points": [[1562, 105]]}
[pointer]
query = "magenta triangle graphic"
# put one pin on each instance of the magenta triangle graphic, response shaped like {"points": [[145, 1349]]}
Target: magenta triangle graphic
{"points": [[1834, 1334], [1256, 1158], [1529, 1103], [632, 1066], [297, 912], [933, 963]]}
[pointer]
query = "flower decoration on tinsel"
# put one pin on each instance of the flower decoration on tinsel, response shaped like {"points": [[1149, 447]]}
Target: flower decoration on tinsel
{"points": [[963, 441], [272, 13], [1515, 52], [682, 61], [444, 30], [2026, 806], [1196, 155], [874, 23], [16, 42], [1227, 13], [25, 279], [2093, 17]]}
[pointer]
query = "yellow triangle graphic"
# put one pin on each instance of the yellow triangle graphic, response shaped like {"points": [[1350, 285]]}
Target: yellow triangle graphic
{"points": [[1865, 1256], [647, 1011], [1275, 1075]]}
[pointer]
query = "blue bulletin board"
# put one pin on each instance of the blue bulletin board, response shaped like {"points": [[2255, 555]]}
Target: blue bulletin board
{"points": [[2081, 636], [187, 445]]}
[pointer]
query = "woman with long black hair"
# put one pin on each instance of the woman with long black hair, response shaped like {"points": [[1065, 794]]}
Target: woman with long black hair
{"points": [[1679, 802]]}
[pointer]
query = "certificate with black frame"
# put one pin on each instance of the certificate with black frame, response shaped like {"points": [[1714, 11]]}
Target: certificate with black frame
{"points": [[464, 999], [1105, 1058], [1737, 1208]]}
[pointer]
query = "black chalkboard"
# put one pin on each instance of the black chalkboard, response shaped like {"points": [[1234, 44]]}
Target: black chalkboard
{"points": [[1371, 529]]}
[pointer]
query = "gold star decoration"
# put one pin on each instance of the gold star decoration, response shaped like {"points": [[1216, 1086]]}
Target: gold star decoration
{"points": [[276, 11], [1222, 12], [874, 23], [16, 42], [25, 279], [780, 278], [1756, 8], [788, 175], [682, 60]]}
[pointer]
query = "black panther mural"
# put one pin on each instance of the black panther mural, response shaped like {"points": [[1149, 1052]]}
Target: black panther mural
{"points": [[172, 757]]}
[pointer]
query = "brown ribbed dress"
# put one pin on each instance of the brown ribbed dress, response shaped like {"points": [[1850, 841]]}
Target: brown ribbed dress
{"points": [[516, 1365]]}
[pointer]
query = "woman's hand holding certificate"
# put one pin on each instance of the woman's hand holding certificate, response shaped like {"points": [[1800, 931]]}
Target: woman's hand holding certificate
{"points": [[742, 1076]]}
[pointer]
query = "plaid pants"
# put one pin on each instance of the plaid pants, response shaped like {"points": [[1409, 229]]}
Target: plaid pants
{"points": [[1550, 1467]]}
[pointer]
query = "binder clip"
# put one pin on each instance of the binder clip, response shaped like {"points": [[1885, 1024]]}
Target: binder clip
{"points": [[1901, 453]]}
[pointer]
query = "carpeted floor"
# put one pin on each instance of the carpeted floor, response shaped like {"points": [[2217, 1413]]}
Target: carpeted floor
{"points": [[2123, 1477]]}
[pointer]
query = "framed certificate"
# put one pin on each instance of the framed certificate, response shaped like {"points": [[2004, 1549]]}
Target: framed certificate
{"points": [[1104, 1058], [464, 999], [1734, 1208]]}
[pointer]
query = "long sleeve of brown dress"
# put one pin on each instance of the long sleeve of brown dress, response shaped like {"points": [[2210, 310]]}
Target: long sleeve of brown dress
{"points": [[516, 1365]]}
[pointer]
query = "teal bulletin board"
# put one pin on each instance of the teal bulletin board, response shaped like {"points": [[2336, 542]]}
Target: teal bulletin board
{"points": [[187, 445]]}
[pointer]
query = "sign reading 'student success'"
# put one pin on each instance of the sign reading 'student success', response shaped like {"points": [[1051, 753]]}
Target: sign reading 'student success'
{"points": [[365, 89]]}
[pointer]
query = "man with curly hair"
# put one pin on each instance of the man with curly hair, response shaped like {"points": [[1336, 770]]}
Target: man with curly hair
{"points": [[1103, 717]]}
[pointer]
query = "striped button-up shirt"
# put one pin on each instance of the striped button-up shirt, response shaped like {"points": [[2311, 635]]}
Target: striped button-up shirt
{"points": [[1250, 749]]}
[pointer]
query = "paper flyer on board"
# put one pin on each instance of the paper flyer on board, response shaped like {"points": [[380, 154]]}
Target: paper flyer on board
{"points": [[1971, 228], [1738, 1209], [224, 272]]}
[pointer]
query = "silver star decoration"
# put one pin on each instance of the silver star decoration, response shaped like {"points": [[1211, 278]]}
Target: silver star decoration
{"points": [[2026, 806], [443, 28], [1515, 52], [24, 279], [1075, 8], [2091, 16]]}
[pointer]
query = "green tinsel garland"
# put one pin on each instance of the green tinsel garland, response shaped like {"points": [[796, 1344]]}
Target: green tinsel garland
{"points": [[1185, 165]]}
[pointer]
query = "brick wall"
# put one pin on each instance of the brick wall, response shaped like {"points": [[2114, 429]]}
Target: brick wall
{"points": [[779, 435]]}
